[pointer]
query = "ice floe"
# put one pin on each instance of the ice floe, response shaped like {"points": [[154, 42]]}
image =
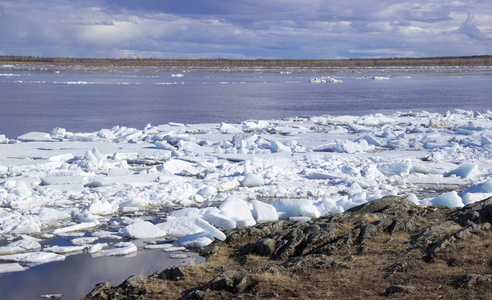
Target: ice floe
{"points": [[191, 181]]}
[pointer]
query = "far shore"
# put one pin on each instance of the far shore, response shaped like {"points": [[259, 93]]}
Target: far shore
{"points": [[461, 61]]}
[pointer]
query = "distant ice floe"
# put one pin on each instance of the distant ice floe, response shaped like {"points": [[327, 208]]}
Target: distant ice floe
{"points": [[177, 186], [324, 80]]}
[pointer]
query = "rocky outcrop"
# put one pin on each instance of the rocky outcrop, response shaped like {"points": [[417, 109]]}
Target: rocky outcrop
{"points": [[235, 282], [419, 236], [326, 235]]}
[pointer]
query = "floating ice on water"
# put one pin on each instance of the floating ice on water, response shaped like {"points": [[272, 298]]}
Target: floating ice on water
{"points": [[122, 248], [27, 226], [143, 230], [174, 248], [219, 220], [157, 246], [196, 240], [180, 225], [96, 248], [211, 230], [76, 227], [64, 249], [107, 235], [39, 257], [229, 129], [35, 136], [83, 241], [179, 256], [72, 184], [11, 267], [22, 245]]}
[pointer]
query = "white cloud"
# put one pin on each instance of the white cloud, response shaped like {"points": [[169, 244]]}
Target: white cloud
{"points": [[254, 28]]}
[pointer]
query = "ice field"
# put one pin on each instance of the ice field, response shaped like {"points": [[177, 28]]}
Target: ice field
{"points": [[116, 191]]}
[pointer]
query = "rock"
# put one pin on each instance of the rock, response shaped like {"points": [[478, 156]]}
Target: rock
{"points": [[470, 281], [478, 212], [194, 294], [173, 274], [263, 247], [434, 231], [134, 285], [403, 267], [231, 281], [407, 224], [271, 295], [465, 233], [102, 291], [391, 205], [397, 289], [208, 251]]}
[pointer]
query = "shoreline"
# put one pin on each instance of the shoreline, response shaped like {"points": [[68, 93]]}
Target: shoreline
{"points": [[386, 248], [466, 61]]}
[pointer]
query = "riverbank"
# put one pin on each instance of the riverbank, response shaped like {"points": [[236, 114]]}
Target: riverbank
{"points": [[386, 248], [462, 61]]}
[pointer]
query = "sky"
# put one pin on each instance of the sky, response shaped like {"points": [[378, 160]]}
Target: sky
{"points": [[294, 29]]}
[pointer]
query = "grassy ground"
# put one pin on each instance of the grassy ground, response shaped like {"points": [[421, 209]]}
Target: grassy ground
{"points": [[254, 63], [367, 278]]}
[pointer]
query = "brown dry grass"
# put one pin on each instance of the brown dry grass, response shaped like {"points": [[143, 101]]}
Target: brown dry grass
{"points": [[485, 60], [367, 279]]}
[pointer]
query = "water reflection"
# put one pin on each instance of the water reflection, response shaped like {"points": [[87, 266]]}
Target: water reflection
{"points": [[78, 274]]}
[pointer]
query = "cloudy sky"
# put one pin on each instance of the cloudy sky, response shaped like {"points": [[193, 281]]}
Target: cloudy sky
{"points": [[310, 29]]}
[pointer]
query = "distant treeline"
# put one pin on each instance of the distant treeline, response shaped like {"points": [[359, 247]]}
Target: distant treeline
{"points": [[470, 61]]}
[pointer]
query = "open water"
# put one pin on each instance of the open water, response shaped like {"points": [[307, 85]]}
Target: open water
{"points": [[88, 99]]}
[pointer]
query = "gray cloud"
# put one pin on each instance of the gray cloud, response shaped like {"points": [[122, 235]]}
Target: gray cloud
{"points": [[254, 28]]}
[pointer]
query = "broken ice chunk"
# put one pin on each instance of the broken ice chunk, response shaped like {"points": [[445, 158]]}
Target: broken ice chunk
{"points": [[216, 233], [96, 248], [64, 249], [35, 257], [179, 226], [263, 212], [252, 180], [450, 199], [123, 248], [197, 240], [11, 267], [219, 220], [238, 211], [467, 170], [143, 230]]}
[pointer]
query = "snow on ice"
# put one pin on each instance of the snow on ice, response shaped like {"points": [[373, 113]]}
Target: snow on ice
{"points": [[191, 181]]}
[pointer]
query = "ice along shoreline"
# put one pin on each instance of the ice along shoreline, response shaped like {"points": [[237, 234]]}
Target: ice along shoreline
{"points": [[111, 184]]}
